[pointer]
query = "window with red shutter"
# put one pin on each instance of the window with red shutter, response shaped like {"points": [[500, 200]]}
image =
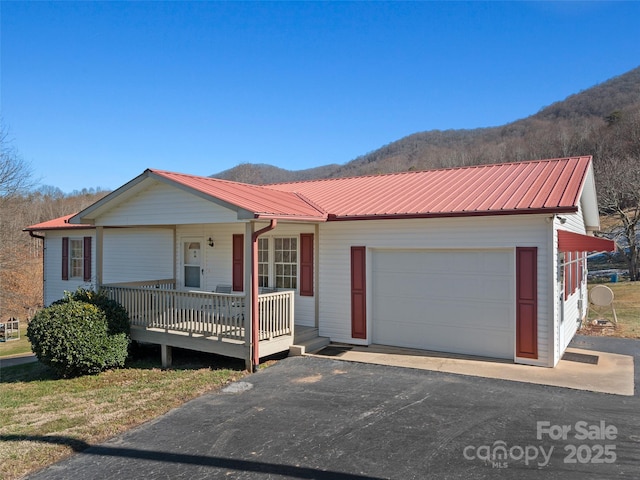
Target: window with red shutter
{"points": [[237, 271], [65, 258], [306, 264], [87, 260]]}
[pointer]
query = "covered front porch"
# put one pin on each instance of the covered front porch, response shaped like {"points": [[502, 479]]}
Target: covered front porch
{"points": [[205, 321]]}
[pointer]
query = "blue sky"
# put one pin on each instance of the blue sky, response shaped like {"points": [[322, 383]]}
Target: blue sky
{"points": [[93, 93]]}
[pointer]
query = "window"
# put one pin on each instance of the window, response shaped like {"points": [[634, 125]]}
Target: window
{"points": [[192, 264], [574, 269], [286, 262], [263, 262], [76, 258]]}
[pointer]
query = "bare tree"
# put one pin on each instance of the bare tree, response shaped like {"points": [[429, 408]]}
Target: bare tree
{"points": [[618, 177], [15, 172], [15, 181]]}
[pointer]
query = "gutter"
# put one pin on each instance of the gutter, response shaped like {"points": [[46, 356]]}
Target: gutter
{"points": [[255, 317], [487, 213], [34, 235]]}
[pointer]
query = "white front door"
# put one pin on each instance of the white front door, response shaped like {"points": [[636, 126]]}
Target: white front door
{"points": [[192, 264]]}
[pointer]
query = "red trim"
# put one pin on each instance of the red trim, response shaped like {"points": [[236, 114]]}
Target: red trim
{"points": [[306, 264], [576, 242], [65, 258], [527, 302], [358, 293], [237, 269], [87, 259]]}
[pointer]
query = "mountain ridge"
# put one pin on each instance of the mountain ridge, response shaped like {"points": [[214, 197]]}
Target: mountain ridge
{"points": [[565, 128]]}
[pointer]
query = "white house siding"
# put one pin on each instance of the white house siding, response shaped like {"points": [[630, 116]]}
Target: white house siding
{"points": [[162, 204], [54, 286], [572, 309], [218, 263], [336, 238], [135, 254]]}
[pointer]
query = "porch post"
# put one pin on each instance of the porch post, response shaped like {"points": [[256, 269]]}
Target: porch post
{"points": [[165, 354], [255, 314], [248, 287]]}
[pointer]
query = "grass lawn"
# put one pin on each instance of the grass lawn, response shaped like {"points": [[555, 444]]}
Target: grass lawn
{"points": [[45, 419], [627, 304], [13, 348]]}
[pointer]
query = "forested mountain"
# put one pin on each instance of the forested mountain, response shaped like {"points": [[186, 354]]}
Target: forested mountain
{"points": [[572, 126], [602, 121]]}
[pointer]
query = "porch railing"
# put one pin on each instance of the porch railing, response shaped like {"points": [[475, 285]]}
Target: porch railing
{"points": [[152, 305], [276, 314]]}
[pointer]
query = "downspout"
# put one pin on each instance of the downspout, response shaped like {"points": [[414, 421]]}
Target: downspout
{"points": [[255, 317]]}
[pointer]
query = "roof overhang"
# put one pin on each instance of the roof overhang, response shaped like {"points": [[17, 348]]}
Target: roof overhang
{"points": [[589, 201], [576, 242], [484, 213]]}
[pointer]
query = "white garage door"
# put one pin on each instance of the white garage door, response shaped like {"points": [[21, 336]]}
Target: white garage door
{"points": [[444, 300]]}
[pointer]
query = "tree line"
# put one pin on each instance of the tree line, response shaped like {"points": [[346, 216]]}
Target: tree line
{"points": [[21, 205], [603, 121]]}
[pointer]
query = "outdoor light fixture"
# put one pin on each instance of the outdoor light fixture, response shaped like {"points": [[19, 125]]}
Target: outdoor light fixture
{"points": [[211, 244]]}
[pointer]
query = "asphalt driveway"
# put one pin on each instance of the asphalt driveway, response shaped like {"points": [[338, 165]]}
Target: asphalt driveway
{"points": [[324, 418]]}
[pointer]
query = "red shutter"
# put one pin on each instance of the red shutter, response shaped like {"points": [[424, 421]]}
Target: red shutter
{"points": [[87, 259], [358, 293], [65, 258], [306, 264], [237, 271], [527, 302]]}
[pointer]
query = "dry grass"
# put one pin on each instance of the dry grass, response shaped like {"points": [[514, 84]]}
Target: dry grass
{"points": [[45, 419], [627, 304]]}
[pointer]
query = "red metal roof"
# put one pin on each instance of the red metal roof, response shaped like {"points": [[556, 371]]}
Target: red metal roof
{"points": [[262, 201], [539, 186], [56, 224], [508, 188]]}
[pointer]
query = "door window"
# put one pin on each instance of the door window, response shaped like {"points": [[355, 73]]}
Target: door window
{"points": [[192, 264]]}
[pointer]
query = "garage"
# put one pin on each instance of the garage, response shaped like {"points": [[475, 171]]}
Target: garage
{"points": [[458, 301]]}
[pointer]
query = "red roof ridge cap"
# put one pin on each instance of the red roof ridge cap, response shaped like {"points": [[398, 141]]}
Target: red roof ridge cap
{"points": [[312, 204], [165, 173]]}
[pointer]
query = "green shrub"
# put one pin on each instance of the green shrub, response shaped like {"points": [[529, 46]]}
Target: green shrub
{"points": [[117, 316], [73, 338]]}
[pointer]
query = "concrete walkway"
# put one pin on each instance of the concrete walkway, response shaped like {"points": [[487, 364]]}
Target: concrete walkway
{"points": [[613, 373]]}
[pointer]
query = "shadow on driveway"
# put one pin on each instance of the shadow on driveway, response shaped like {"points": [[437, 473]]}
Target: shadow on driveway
{"points": [[309, 417]]}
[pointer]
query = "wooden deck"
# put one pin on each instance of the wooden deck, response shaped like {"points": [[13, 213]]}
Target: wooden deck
{"points": [[204, 321]]}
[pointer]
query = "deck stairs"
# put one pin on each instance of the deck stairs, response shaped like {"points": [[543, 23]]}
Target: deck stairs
{"points": [[307, 340]]}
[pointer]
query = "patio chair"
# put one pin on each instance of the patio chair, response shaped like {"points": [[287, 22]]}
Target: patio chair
{"points": [[223, 289], [602, 296]]}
